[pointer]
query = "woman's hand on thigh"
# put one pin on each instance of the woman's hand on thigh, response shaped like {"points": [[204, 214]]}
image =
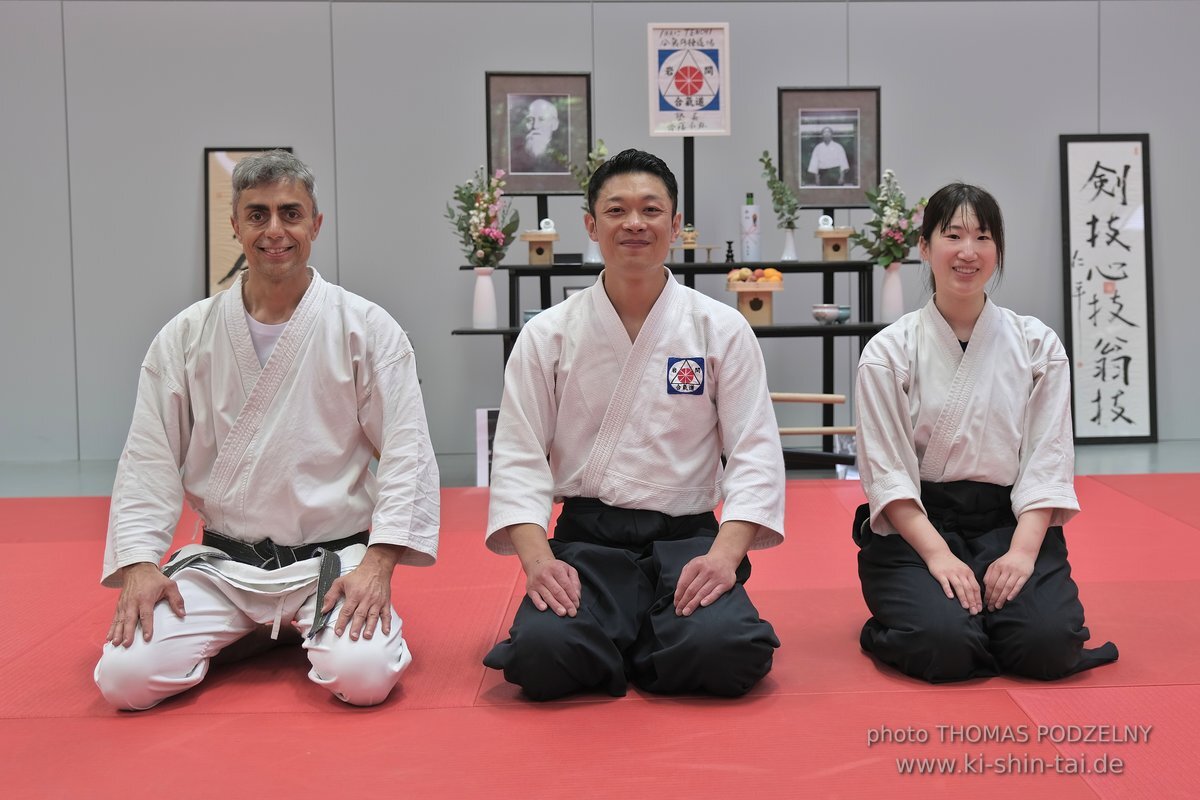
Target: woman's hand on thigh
{"points": [[1006, 576], [957, 580]]}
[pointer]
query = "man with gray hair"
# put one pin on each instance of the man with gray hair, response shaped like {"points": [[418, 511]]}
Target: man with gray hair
{"points": [[262, 407], [539, 147]]}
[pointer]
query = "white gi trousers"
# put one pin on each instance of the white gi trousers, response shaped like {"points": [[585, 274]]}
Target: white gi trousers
{"points": [[218, 613]]}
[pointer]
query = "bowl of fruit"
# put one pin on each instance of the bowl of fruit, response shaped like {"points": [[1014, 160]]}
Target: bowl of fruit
{"points": [[745, 279]]}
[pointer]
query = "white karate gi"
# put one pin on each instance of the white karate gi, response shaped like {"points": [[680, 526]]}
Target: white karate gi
{"points": [[997, 413], [627, 436], [279, 451]]}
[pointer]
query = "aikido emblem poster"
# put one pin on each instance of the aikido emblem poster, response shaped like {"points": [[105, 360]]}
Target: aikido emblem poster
{"points": [[689, 79]]}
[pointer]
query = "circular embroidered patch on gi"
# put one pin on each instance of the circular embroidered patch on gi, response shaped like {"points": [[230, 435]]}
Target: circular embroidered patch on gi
{"points": [[685, 375]]}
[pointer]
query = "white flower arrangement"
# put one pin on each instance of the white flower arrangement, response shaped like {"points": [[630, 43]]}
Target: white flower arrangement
{"points": [[894, 228]]}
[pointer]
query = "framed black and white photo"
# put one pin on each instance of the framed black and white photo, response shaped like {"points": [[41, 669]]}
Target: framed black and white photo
{"points": [[829, 144], [223, 256], [570, 290], [538, 125], [1108, 286]]}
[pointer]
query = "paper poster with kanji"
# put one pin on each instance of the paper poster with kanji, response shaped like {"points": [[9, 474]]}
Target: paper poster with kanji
{"points": [[689, 79]]}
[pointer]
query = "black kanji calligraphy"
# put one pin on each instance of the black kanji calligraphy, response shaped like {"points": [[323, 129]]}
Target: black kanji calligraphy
{"points": [[1117, 273], [1116, 315], [1103, 176], [1114, 233], [1118, 410]]}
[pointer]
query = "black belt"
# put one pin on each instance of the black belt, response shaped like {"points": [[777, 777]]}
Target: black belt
{"points": [[269, 555]]}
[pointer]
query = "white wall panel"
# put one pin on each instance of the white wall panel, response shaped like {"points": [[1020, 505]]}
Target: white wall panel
{"points": [[410, 112], [1148, 70], [37, 347], [979, 92], [385, 101], [149, 86]]}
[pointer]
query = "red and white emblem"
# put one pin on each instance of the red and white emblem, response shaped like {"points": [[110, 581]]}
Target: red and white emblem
{"points": [[685, 375]]}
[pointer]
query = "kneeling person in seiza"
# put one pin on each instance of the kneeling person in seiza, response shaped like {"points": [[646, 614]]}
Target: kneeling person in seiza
{"points": [[622, 400], [262, 408], [966, 458]]}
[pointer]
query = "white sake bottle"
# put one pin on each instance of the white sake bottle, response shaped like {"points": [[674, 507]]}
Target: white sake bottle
{"points": [[750, 246]]}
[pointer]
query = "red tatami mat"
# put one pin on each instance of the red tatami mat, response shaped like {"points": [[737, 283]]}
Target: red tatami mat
{"points": [[454, 729], [1161, 492], [1151, 730], [761, 746]]}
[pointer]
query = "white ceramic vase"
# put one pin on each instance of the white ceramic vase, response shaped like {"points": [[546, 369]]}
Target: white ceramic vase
{"points": [[483, 308], [789, 245], [891, 300], [591, 253]]}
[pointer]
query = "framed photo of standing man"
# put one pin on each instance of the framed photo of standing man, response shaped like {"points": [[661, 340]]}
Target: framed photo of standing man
{"points": [[829, 144]]}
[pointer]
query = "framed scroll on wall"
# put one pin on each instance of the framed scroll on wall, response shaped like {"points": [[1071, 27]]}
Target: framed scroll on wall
{"points": [[223, 257], [1108, 286]]}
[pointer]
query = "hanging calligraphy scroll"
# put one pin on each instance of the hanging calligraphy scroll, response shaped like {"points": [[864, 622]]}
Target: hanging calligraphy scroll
{"points": [[1109, 290], [689, 79]]}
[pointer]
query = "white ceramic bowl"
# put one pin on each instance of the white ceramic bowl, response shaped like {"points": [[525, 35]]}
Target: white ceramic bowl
{"points": [[825, 313]]}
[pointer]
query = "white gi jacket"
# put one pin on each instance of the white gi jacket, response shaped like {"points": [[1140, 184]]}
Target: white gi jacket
{"points": [[587, 413], [279, 451], [999, 413]]}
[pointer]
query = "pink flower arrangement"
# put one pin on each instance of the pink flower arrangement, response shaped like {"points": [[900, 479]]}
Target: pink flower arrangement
{"points": [[484, 221]]}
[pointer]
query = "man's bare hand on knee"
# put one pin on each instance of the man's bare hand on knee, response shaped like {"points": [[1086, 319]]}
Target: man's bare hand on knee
{"points": [[549, 583], [705, 578], [143, 586], [368, 592]]}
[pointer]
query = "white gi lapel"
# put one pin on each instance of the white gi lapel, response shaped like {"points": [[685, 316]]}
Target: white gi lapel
{"points": [[626, 391], [234, 312], [954, 407], [610, 322], [232, 450]]}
